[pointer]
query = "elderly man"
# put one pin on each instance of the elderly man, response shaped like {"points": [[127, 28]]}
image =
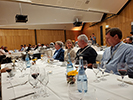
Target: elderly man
{"points": [[86, 51], [118, 52], [59, 53]]}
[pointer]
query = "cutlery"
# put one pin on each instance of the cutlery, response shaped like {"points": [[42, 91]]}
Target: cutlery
{"points": [[104, 75], [126, 82], [23, 96], [17, 85]]}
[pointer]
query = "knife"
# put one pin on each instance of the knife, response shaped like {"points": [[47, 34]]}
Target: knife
{"points": [[104, 75], [17, 85], [23, 96], [125, 82]]}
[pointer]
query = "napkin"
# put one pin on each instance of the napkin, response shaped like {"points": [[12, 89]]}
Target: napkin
{"points": [[126, 80]]}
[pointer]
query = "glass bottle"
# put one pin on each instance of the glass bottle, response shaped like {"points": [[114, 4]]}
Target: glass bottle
{"points": [[28, 64], [69, 64], [82, 82], [70, 78]]}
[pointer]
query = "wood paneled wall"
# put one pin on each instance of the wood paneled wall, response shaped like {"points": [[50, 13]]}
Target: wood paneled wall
{"points": [[47, 36], [13, 38], [122, 21], [72, 35]]}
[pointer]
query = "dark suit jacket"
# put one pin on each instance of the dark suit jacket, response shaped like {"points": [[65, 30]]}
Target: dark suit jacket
{"points": [[60, 55]]}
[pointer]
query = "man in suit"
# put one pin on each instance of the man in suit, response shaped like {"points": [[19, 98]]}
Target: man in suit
{"points": [[59, 53]]}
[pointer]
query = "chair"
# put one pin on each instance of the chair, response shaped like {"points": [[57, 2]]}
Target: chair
{"points": [[38, 55]]}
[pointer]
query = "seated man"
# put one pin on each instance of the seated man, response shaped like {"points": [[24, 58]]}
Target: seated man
{"points": [[3, 58], [22, 48], [86, 51], [128, 40], [118, 52], [59, 53]]}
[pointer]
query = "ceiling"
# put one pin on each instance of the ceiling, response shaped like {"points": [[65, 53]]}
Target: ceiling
{"points": [[55, 14]]}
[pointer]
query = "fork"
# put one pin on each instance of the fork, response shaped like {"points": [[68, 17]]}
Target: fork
{"points": [[17, 85]]}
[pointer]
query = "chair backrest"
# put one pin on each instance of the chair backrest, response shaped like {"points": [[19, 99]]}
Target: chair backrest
{"points": [[38, 55], [2, 57]]}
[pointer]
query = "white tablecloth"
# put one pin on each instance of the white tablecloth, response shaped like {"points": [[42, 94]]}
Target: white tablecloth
{"points": [[15, 54], [57, 87]]}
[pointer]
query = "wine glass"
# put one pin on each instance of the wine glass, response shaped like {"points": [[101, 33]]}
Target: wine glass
{"points": [[33, 79], [73, 92], [44, 80], [21, 65], [76, 64], [13, 60], [42, 55], [95, 68], [85, 63], [102, 69], [122, 69], [43, 58], [9, 68], [31, 56]]}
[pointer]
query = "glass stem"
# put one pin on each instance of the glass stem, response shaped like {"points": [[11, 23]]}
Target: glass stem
{"points": [[122, 80], [96, 77], [102, 74]]}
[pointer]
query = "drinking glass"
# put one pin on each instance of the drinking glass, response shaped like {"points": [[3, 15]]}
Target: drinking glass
{"points": [[73, 93], [21, 65], [85, 63], [33, 79], [9, 70], [44, 80], [102, 69], [13, 60], [122, 69], [43, 58], [76, 64], [31, 56], [95, 68]]}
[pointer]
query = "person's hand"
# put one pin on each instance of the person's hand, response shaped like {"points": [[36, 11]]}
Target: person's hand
{"points": [[9, 52], [4, 70], [90, 65]]}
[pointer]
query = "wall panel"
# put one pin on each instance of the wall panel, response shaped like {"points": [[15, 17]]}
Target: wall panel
{"points": [[72, 35], [47, 36], [13, 38]]}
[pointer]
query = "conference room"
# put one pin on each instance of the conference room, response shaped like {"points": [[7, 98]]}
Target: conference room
{"points": [[91, 32]]}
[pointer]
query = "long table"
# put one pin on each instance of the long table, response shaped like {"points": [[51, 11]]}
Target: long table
{"points": [[58, 87]]}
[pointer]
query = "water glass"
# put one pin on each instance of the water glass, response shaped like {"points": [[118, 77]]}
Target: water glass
{"points": [[95, 68], [102, 69], [73, 93]]}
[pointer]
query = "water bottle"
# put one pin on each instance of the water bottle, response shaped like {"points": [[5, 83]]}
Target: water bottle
{"points": [[82, 82], [70, 78], [28, 64], [69, 64]]}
